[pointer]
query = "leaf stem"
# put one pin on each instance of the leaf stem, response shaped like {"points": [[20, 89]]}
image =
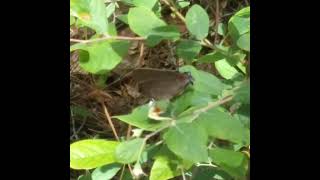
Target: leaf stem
{"points": [[108, 38]]}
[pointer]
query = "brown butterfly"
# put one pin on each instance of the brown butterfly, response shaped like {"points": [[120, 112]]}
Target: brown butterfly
{"points": [[161, 84]]}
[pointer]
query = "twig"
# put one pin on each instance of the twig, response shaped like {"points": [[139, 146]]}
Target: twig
{"points": [[206, 164], [157, 131], [108, 38], [81, 126], [128, 131], [183, 175], [215, 104], [73, 127], [110, 121], [141, 61], [217, 21], [122, 172], [180, 16]]}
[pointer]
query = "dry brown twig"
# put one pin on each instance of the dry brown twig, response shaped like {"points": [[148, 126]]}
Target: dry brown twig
{"points": [[217, 13], [110, 121]]}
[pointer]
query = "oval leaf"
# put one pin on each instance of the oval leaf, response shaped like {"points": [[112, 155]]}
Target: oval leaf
{"points": [[88, 154], [142, 20], [235, 163], [106, 172], [101, 56], [129, 151], [144, 3], [244, 42], [204, 82], [91, 13], [139, 118], [188, 49], [221, 125], [225, 69], [160, 33], [163, 169], [188, 141], [197, 22]]}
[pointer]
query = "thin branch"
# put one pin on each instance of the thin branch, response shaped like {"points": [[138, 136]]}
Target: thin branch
{"points": [[108, 38], [183, 175], [122, 172], [217, 21], [129, 131], [110, 121], [215, 104]]}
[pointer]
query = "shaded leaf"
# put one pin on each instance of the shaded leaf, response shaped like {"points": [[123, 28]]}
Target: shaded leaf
{"points": [[188, 49], [110, 9], [235, 163], [243, 93], [106, 172], [204, 82], [244, 42], [222, 125], [158, 34]]}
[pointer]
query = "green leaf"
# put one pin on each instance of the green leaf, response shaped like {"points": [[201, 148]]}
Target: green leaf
{"points": [[188, 141], [91, 13], [225, 69], [244, 42], [161, 33], [222, 29], [129, 151], [110, 9], [188, 49], [211, 57], [139, 118], [72, 20], [245, 12], [188, 99], [144, 3], [222, 125], [197, 22], [163, 167], [209, 173], [123, 18], [138, 24], [235, 163], [204, 82], [85, 177], [112, 30], [182, 4], [243, 93], [106, 172], [88, 154], [101, 56], [238, 25]]}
